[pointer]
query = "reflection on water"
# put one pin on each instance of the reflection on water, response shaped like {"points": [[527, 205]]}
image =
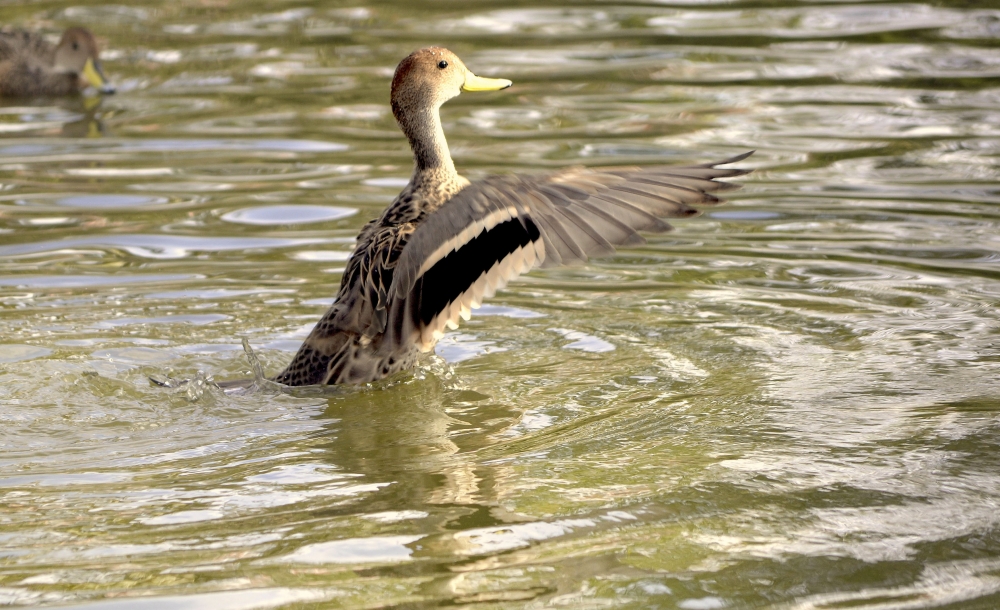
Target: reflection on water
{"points": [[791, 401], [287, 214]]}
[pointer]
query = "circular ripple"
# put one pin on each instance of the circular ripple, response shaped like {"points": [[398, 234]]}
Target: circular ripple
{"points": [[288, 214], [108, 201], [16, 353]]}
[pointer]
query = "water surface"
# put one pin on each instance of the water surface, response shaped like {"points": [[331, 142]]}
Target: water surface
{"points": [[792, 401]]}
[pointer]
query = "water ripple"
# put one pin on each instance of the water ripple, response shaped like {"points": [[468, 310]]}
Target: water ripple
{"points": [[790, 401]]}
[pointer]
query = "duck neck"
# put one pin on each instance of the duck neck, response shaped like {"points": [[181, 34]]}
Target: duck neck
{"points": [[431, 156]]}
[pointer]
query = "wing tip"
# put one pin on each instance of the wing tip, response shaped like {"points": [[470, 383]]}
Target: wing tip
{"points": [[730, 171], [736, 159]]}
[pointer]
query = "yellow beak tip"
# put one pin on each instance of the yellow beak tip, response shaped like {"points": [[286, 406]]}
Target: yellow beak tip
{"points": [[478, 83], [93, 75]]}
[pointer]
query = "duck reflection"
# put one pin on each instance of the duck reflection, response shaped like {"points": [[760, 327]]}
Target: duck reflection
{"points": [[423, 439], [80, 117], [89, 124]]}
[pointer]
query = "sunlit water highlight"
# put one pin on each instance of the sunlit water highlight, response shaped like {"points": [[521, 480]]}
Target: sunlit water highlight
{"points": [[792, 401]]}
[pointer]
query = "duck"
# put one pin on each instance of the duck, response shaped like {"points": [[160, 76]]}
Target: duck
{"points": [[31, 66], [443, 245]]}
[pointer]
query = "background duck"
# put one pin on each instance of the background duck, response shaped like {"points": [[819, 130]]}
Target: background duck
{"points": [[32, 66], [443, 244]]}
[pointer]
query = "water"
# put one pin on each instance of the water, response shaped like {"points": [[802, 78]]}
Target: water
{"points": [[792, 401]]}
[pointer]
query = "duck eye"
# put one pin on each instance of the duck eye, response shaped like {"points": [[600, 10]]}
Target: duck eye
{"points": [[76, 46], [442, 64]]}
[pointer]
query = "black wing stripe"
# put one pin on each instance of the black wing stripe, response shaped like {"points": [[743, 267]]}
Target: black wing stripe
{"points": [[451, 276]]}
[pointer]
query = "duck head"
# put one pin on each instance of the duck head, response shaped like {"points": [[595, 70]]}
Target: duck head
{"points": [[424, 81], [77, 54]]}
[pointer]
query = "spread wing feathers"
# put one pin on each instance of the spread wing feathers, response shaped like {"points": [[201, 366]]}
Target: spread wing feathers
{"points": [[500, 227]]}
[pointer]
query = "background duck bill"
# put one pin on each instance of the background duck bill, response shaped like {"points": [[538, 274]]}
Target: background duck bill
{"points": [[93, 74], [478, 83]]}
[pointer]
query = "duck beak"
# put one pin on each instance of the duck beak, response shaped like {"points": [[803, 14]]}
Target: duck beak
{"points": [[93, 74], [478, 83]]}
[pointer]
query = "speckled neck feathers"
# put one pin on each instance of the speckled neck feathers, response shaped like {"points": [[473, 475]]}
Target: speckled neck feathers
{"points": [[417, 96]]}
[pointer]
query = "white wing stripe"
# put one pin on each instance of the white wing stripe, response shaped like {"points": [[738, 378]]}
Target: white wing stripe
{"points": [[468, 234]]}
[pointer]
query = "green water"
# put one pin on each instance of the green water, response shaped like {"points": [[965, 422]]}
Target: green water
{"points": [[792, 401]]}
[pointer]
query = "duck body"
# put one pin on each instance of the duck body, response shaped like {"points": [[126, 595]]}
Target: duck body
{"points": [[338, 349], [31, 66], [443, 244]]}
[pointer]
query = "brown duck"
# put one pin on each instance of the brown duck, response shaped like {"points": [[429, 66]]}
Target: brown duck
{"points": [[443, 245], [31, 66]]}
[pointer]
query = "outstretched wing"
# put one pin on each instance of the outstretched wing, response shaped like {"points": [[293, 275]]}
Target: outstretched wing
{"points": [[498, 228]]}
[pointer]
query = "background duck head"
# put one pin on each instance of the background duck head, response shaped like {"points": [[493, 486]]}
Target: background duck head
{"points": [[424, 81], [77, 53]]}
